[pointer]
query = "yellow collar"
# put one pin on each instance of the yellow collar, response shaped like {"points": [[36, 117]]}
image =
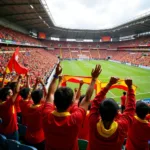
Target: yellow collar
{"points": [[35, 106], [60, 114], [140, 120], [87, 112], [2, 102], [104, 132]]}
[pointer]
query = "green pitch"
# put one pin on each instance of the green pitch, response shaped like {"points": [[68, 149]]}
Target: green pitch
{"points": [[141, 77]]}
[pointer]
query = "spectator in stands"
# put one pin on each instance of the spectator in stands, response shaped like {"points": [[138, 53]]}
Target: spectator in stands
{"points": [[105, 133], [7, 111], [139, 131], [59, 125], [123, 101], [25, 103], [0, 120], [35, 134]]}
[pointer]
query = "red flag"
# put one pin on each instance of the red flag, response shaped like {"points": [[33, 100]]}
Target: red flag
{"points": [[13, 64]]}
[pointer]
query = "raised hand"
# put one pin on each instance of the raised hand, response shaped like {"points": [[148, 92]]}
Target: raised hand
{"points": [[96, 72], [60, 78], [58, 69], [128, 82], [81, 82], [37, 79], [113, 80]]}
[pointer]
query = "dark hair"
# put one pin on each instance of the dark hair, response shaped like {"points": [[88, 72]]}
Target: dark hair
{"points": [[142, 109], [37, 96], [13, 85], [63, 98], [124, 93], [4, 92], [108, 109], [24, 93], [80, 100]]}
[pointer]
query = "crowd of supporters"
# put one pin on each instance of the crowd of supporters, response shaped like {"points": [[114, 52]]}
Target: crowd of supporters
{"points": [[37, 60], [135, 58], [57, 118], [9, 34]]}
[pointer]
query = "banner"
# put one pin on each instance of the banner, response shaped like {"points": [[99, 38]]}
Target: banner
{"points": [[98, 85]]}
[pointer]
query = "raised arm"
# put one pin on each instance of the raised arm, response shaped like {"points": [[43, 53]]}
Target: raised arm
{"points": [[28, 80], [130, 105], [78, 93], [15, 94], [53, 85], [94, 113], [44, 88], [59, 81], [4, 77], [86, 100], [36, 84]]}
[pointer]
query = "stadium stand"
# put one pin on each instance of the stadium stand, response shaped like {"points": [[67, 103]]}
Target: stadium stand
{"points": [[31, 58], [9, 34], [40, 62]]}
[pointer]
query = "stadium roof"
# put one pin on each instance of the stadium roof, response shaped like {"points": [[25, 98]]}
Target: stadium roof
{"points": [[35, 14]]}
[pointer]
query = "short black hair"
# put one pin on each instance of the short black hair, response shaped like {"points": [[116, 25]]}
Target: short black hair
{"points": [[24, 93], [80, 100], [63, 98], [108, 109], [142, 109], [37, 96], [13, 85], [124, 93], [4, 92]]}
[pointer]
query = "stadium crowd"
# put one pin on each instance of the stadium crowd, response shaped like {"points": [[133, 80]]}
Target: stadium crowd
{"points": [[31, 58], [56, 118]]}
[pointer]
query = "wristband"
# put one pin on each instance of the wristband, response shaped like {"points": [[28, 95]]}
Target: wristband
{"points": [[55, 76]]}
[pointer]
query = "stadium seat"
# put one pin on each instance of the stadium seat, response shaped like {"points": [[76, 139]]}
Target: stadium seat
{"points": [[13, 145], [26, 147], [82, 144], [3, 141], [22, 130]]}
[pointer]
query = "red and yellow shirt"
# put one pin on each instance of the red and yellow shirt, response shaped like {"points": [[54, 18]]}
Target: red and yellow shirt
{"points": [[34, 132], [9, 117], [113, 138], [61, 129], [24, 105], [138, 135]]}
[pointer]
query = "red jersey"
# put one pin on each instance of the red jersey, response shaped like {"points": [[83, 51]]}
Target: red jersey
{"points": [[24, 105], [123, 100], [34, 133], [17, 106], [138, 135], [113, 138], [84, 130], [61, 129], [148, 117], [9, 117]]}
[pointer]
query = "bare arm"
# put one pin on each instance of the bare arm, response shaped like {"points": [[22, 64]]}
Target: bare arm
{"points": [[86, 100], [78, 93], [4, 77], [44, 88], [28, 80], [53, 85], [59, 82], [36, 84], [17, 89]]}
